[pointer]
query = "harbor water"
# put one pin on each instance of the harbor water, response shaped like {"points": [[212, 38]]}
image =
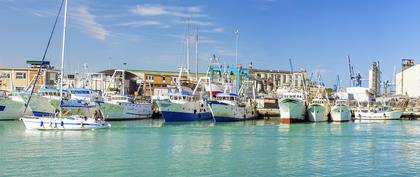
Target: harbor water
{"points": [[256, 148]]}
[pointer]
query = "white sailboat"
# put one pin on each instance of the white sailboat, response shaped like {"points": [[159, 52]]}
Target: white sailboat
{"points": [[73, 114]]}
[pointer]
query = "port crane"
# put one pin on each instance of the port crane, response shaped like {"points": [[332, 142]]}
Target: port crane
{"points": [[355, 79]]}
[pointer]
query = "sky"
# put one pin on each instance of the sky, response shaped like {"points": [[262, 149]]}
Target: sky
{"points": [[151, 34]]}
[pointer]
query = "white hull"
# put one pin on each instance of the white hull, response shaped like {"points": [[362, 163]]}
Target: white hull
{"points": [[317, 113], [225, 112], [68, 123], [11, 110], [292, 110], [388, 115], [340, 113], [126, 111]]}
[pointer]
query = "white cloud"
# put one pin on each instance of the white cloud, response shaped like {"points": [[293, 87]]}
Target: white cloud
{"points": [[142, 23], [86, 22], [43, 13], [158, 10], [196, 22], [218, 30]]}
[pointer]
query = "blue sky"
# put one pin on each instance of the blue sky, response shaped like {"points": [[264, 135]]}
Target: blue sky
{"points": [[316, 34]]}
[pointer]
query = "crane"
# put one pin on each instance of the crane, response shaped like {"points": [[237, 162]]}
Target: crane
{"points": [[355, 79]]}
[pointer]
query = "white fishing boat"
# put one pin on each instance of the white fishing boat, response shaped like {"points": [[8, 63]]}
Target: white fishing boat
{"points": [[341, 111], [228, 107], [72, 114], [292, 106], [11, 107], [318, 110], [118, 107], [378, 113]]}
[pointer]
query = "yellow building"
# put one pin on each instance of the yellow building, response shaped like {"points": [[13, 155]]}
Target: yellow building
{"points": [[20, 79]]}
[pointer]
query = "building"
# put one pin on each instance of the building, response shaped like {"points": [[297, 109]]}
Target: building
{"points": [[374, 79], [408, 79], [20, 79], [268, 81], [361, 94]]}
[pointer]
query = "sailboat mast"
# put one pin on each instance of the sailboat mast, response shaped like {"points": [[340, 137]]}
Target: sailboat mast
{"points": [[196, 55], [62, 51]]}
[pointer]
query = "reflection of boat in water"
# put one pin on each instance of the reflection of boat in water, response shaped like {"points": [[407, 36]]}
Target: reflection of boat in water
{"points": [[11, 106], [379, 113]]}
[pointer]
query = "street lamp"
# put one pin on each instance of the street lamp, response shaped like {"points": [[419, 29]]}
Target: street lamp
{"points": [[236, 53]]}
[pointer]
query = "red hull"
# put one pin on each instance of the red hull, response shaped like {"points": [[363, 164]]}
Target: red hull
{"points": [[291, 120], [341, 120]]}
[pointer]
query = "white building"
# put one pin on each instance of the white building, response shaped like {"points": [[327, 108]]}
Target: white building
{"points": [[361, 94], [408, 80]]}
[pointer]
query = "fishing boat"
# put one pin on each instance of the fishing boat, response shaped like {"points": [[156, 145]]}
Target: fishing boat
{"points": [[292, 106], [184, 107], [228, 107], [118, 107], [72, 114], [318, 110], [11, 107], [383, 112], [341, 111], [45, 102]]}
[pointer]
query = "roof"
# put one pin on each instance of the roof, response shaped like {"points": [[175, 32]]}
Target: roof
{"points": [[163, 73], [37, 62]]}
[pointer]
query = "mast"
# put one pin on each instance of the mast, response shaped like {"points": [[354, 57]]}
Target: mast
{"points": [[196, 54], [62, 52], [236, 47]]}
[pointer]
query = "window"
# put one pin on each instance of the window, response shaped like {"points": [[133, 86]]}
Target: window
{"points": [[20, 75], [19, 88], [149, 77]]}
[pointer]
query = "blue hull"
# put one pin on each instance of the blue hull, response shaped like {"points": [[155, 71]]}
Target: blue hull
{"points": [[232, 119], [185, 117], [42, 114]]}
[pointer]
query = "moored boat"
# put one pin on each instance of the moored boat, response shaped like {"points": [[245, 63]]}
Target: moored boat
{"points": [[119, 107], [227, 107], [379, 113], [318, 110], [292, 107], [183, 107], [340, 112], [11, 107]]}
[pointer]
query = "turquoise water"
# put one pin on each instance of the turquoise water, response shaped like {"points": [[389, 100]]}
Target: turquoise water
{"points": [[261, 148]]}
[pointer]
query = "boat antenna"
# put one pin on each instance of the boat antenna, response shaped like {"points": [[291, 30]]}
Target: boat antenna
{"points": [[45, 54], [62, 53]]}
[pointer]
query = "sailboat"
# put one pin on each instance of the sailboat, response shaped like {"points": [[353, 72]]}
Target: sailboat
{"points": [[72, 114]]}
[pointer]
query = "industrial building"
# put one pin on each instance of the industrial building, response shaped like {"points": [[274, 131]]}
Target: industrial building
{"points": [[408, 79]]}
